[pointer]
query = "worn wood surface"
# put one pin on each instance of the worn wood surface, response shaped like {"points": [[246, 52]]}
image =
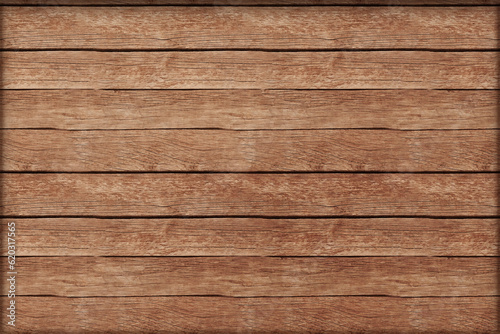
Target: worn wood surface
{"points": [[250, 109], [257, 276], [249, 27], [241, 151], [256, 237], [292, 167], [263, 315], [179, 194], [252, 2], [249, 69]]}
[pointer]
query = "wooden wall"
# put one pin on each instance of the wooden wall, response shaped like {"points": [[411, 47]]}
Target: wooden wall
{"points": [[256, 166]]}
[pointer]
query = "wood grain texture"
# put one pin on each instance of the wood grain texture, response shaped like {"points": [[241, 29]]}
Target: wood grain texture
{"points": [[263, 315], [250, 69], [243, 151], [175, 194], [250, 109], [256, 237], [256, 276], [252, 2], [176, 250], [249, 28]]}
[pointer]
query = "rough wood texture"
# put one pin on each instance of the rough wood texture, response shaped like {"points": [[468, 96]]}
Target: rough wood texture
{"points": [[256, 237], [263, 315], [262, 249], [250, 69], [252, 2], [249, 27], [250, 109], [242, 151], [256, 276], [249, 194]]}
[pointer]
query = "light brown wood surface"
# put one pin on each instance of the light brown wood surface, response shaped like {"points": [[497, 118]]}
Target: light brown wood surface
{"points": [[250, 109], [179, 194], [241, 151], [252, 2], [264, 315], [249, 69], [257, 276], [249, 27], [256, 237], [279, 166]]}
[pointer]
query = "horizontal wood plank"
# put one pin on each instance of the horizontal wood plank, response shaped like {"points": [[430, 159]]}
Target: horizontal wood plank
{"points": [[256, 276], [250, 69], [250, 109], [249, 28], [264, 315], [251, 2], [243, 151], [255, 237], [174, 194]]}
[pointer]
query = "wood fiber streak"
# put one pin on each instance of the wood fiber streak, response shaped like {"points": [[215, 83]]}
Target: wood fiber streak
{"points": [[249, 194], [249, 27], [256, 276], [250, 109], [250, 69], [263, 315], [253, 2], [256, 237], [242, 151]]}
